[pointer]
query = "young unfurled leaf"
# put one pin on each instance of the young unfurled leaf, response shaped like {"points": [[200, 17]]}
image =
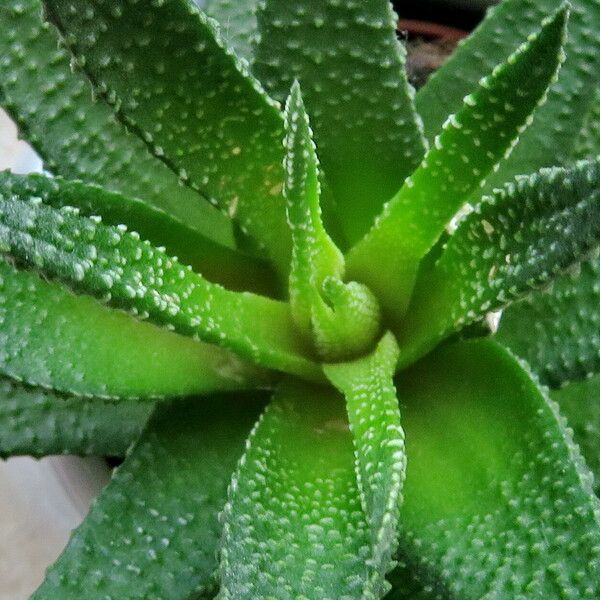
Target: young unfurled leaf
{"points": [[472, 142], [215, 262], [77, 137], [341, 319], [160, 508], [525, 235], [580, 403], [164, 68], [351, 68], [53, 338], [237, 20], [116, 266], [293, 525], [38, 422], [551, 138], [497, 500], [374, 418], [557, 331]]}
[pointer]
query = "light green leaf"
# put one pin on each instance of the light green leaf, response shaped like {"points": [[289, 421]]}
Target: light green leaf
{"points": [[237, 20], [471, 143], [152, 534], [342, 319], [53, 338], [557, 330], [352, 70], [497, 500], [525, 235], [166, 71], [38, 422], [588, 141], [115, 266], [293, 525], [77, 137], [551, 138], [215, 262], [580, 403], [374, 417]]}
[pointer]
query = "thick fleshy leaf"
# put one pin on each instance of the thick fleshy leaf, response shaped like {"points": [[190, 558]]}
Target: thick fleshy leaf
{"points": [[293, 525], [77, 137], [153, 532], [237, 20], [588, 142], [215, 262], [471, 143], [580, 404], [497, 500], [53, 338], [341, 319], [114, 265], [351, 67], [525, 235], [551, 138], [38, 422], [557, 330], [374, 419], [165, 69]]}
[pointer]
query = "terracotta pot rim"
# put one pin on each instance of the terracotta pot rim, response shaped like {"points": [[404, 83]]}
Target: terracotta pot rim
{"points": [[431, 29]]}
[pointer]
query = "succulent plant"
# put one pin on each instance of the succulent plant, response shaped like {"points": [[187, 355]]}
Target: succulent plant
{"points": [[268, 275]]}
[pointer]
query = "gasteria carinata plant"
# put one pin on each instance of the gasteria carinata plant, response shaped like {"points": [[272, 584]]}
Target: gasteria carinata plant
{"points": [[344, 248]]}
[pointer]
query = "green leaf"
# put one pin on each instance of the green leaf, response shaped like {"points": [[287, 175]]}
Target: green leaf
{"points": [[374, 418], [115, 266], [580, 404], [352, 70], [588, 141], [551, 138], [293, 525], [77, 137], [153, 532], [53, 338], [556, 330], [165, 70], [497, 500], [237, 20], [471, 143], [525, 235], [342, 319], [215, 262], [38, 422]]}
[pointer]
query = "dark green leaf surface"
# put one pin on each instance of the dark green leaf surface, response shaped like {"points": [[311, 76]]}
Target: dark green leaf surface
{"points": [[237, 20], [38, 422], [77, 137], [580, 404], [152, 534], [53, 338], [557, 330], [374, 419], [351, 68], [293, 525], [164, 68], [215, 262], [471, 143], [117, 267], [523, 236], [551, 138], [497, 501]]}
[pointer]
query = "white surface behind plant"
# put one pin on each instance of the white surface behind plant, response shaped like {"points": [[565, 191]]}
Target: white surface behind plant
{"points": [[40, 500]]}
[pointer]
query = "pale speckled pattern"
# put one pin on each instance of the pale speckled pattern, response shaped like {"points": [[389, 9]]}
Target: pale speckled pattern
{"points": [[77, 137], [351, 67], [191, 100], [114, 265], [167, 495], [523, 236]]}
